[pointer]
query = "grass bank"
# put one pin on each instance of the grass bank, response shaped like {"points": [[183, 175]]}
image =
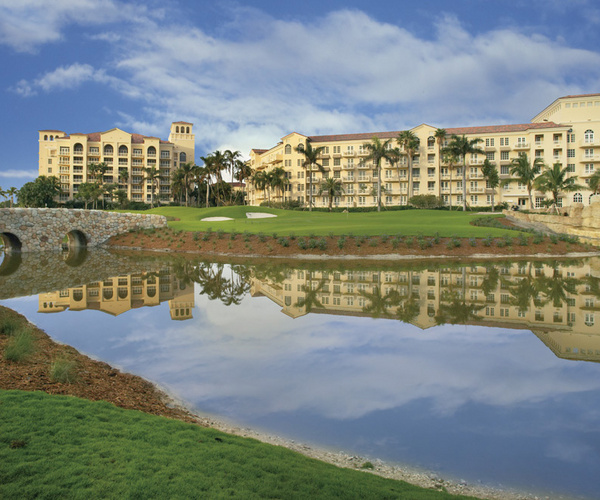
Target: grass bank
{"points": [[406, 222], [59, 447]]}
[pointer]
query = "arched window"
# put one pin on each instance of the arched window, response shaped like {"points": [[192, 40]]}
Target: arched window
{"points": [[45, 137], [51, 137], [123, 150], [430, 141], [577, 198], [107, 293], [177, 129], [78, 149], [77, 295], [288, 149], [108, 150], [187, 130], [588, 137], [151, 151], [300, 147], [182, 157]]}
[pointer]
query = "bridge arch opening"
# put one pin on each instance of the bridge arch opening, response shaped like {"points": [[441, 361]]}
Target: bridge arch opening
{"points": [[10, 243], [74, 240], [9, 263]]}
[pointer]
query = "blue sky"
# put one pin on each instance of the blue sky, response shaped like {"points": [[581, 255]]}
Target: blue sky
{"points": [[248, 73]]}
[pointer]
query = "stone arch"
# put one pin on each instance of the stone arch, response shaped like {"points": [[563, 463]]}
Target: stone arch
{"points": [[76, 256], [77, 240], [12, 243]]}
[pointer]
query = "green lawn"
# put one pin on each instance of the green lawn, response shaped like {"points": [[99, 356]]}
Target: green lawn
{"points": [[64, 447], [406, 222]]}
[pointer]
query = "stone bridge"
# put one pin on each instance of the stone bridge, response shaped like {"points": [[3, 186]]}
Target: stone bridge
{"points": [[42, 229]]}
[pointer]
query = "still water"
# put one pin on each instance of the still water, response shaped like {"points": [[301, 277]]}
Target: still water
{"points": [[486, 372]]}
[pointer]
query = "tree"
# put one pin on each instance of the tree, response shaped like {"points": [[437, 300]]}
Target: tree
{"points": [[206, 173], [377, 151], [460, 147], [231, 159], [492, 179], [554, 180], [186, 177], [243, 172], [216, 163], [10, 194], [409, 143], [333, 187], [121, 196], [97, 171], [261, 181], [278, 180], [40, 193], [311, 156], [525, 172], [595, 182], [152, 175], [88, 192]]}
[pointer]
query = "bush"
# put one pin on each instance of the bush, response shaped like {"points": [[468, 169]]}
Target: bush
{"points": [[487, 242], [312, 243], [425, 201], [473, 242], [284, 242], [302, 244], [341, 242], [20, 346], [63, 370], [322, 244], [9, 326]]}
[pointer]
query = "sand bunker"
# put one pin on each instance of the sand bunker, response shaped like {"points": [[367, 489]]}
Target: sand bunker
{"points": [[214, 219], [259, 215]]}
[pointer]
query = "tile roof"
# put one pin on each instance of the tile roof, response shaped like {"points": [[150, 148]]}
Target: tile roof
{"points": [[135, 138], [185, 123], [578, 95]]}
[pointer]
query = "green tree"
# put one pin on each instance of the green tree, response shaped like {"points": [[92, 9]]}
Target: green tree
{"points": [[186, 176], [555, 180], [261, 181], [278, 180], [377, 151], [152, 176], [40, 193], [243, 172], [121, 196], [333, 187], [525, 172], [311, 159], [88, 192], [231, 160], [492, 179], [409, 144], [97, 171], [10, 194], [460, 147], [595, 182]]}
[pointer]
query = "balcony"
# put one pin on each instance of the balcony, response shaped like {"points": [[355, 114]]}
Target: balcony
{"points": [[348, 179], [137, 153], [349, 153], [64, 170], [591, 158], [478, 161], [364, 179], [522, 145], [589, 143]]}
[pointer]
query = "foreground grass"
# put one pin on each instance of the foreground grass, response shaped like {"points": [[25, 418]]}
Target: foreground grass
{"points": [[64, 447], [406, 222]]}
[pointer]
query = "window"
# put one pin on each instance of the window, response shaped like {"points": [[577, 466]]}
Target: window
{"points": [[589, 168], [589, 152], [337, 149], [288, 149], [570, 153], [492, 156], [504, 141], [588, 136], [336, 162], [577, 198], [108, 150], [489, 142], [504, 170], [504, 155]]}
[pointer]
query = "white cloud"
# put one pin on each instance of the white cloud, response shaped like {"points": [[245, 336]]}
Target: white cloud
{"points": [[19, 174]]}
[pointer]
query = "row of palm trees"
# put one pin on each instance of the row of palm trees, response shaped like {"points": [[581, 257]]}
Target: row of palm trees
{"points": [[9, 195], [553, 179]]}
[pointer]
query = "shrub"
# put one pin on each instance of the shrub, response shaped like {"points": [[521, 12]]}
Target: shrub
{"points": [[284, 242], [20, 346], [473, 242], [9, 326], [312, 243], [63, 370], [487, 242], [396, 242], [220, 234], [538, 238], [436, 238], [373, 242], [409, 242], [262, 237], [322, 244], [302, 244], [367, 465], [341, 242], [522, 240], [425, 201], [554, 239]]}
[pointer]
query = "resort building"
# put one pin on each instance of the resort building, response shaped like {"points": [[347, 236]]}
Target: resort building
{"points": [[563, 312], [566, 132], [126, 155]]}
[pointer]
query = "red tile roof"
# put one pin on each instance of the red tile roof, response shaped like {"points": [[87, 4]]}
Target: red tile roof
{"points": [[185, 123], [135, 138], [578, 95]]}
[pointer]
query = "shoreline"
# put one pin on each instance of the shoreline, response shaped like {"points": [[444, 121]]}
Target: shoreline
{"points": [[102, 381]]}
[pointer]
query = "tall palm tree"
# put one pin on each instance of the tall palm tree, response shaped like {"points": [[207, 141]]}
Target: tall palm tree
{"points": [[409, 143], [492, 179], [11, 192], [333, 187], [187, 177], [261, 181], [177, 184], [217, 165], [311, 157], [377, 151], [278, 180], [243, 172], [209, 167], [152, 175], [554, 179], [525, 172], [461, 146], [97, 170], [231, 159], [595, 182]]}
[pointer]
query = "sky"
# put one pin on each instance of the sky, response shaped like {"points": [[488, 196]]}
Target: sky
{"points": [[247, 73]]}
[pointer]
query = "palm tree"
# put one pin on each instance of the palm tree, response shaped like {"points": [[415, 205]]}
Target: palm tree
{"points": [[97, 170], [333, 187], [379, 303], [595, 182], [261, 181], [187, 176], [377, 151], [231, 159], [460, 147], [409, 142], [311, 156], [525, 172], [278, 180], [209, 162], [556, 181], [244, 171], [177, 184], [492, 179], [152, 175], [11, 192]]}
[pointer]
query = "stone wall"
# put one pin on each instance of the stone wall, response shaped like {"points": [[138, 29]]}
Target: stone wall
{"points": [[575, 220], [42, 229]]}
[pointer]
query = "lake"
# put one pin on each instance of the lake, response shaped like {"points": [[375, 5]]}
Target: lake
{"points": [[481, 371]]}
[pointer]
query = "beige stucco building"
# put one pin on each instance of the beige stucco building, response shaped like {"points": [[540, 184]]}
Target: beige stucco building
{"points": [[566, 132], [69, 156]]}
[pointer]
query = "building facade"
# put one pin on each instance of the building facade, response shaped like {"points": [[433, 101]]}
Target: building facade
{"points": [[566, 132], [69, 157]]}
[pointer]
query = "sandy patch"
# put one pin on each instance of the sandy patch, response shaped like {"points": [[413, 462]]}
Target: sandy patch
{"points": [[215, 219], [259, 215]]}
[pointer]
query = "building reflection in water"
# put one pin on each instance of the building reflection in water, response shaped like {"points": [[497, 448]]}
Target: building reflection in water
{"points": [[558, 301]]}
